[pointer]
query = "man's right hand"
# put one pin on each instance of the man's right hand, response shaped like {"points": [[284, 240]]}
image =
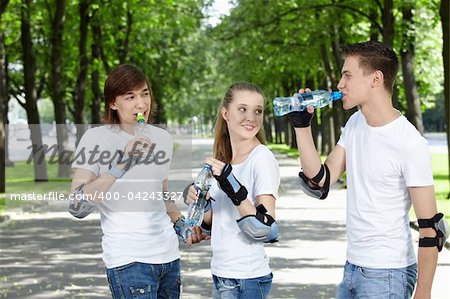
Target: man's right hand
{"points": [[301, 119], [138, 146]]}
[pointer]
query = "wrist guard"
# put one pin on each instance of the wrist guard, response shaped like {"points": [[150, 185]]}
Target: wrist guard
{"points": [[206, 228], [231, 186], [117, 172], [300, 119], [182, 228]]}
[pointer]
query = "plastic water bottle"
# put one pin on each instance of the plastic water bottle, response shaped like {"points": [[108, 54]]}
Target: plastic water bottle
{"points": [[203, 182], [141, 128], [300, 101]]}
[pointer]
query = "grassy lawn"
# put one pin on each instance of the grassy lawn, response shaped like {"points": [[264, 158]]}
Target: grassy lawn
{"points": [[440, 176], [20, 180]]}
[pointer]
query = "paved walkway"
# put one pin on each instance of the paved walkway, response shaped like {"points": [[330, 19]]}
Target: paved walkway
{"points": [[48, 254]]}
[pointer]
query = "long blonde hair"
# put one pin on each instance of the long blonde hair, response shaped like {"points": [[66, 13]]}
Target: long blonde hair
{"points": [[222, 145]]}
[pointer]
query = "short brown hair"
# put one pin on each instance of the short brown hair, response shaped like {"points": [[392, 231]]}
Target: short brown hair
{"points": [[122, 79], [374, 56]]}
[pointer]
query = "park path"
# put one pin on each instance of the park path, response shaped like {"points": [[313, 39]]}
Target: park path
{"points": [[46, 253]]}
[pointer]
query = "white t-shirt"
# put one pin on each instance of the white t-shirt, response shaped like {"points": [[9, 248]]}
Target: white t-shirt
{"points": [[234, 255], [381, 163], [135, 225]]}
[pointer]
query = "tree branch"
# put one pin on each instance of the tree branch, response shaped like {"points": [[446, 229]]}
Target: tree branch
{"points": [[280, 16]]}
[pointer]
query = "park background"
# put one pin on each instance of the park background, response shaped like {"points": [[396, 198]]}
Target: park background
{"points": [[55, 55]]}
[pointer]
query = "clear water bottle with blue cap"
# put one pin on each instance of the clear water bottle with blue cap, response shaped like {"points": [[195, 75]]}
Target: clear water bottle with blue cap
{"points": [[300, 101], [202, 183]]}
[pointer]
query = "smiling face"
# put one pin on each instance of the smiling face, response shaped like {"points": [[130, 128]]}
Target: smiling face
{"points": [[244, 114], [131, 103], [354, 84]]}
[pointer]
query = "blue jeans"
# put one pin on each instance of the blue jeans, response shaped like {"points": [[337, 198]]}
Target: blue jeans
{"points": [[361, 282], [254, 288], [140, 280]]}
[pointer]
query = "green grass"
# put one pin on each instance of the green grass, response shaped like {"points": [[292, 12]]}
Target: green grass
{"points": [[20, 180], [440, 175]]}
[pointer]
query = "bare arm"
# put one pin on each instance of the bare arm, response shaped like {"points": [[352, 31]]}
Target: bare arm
{"points": [[93, 185], [171, 207], [97, 185], [247, 208], [310, 159], [424, 203]]}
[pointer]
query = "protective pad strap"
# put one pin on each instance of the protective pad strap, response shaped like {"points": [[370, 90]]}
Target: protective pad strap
{"points": [[425, 223], [311, 186], [440, 226], [429, 242], [319, 175], [206, 228], [186, 191], [208, 205], [231, 186], [260, 227]]}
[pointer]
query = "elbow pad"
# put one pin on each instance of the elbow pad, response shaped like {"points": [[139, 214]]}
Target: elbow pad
{"points": [[311, 186], [260, 227], [84, 206], [440, 225]]}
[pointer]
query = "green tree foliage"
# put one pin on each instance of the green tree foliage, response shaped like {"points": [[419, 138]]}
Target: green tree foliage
{"points": [[279, 45]]}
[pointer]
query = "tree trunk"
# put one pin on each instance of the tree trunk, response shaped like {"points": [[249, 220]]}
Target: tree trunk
{"points": [[374, 32], [388, 21], [29, 73], [268, 128], [3, 97], [329, 121], [445, 20], [96, 97], [79, 94], [123, 45], [97, 55], [413, 112], [57, 88], [3, 101], [339, 114]]}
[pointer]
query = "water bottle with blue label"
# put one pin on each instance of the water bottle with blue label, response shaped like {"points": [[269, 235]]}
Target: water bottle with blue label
{"points": [[300, 101]]}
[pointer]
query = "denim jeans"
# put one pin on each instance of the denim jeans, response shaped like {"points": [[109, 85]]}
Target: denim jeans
{"points": [[141, 280], [254, 288], [361, 282]]}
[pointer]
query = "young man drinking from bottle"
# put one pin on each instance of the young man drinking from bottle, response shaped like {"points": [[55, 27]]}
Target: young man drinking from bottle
{"points": [[388, 167]]}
